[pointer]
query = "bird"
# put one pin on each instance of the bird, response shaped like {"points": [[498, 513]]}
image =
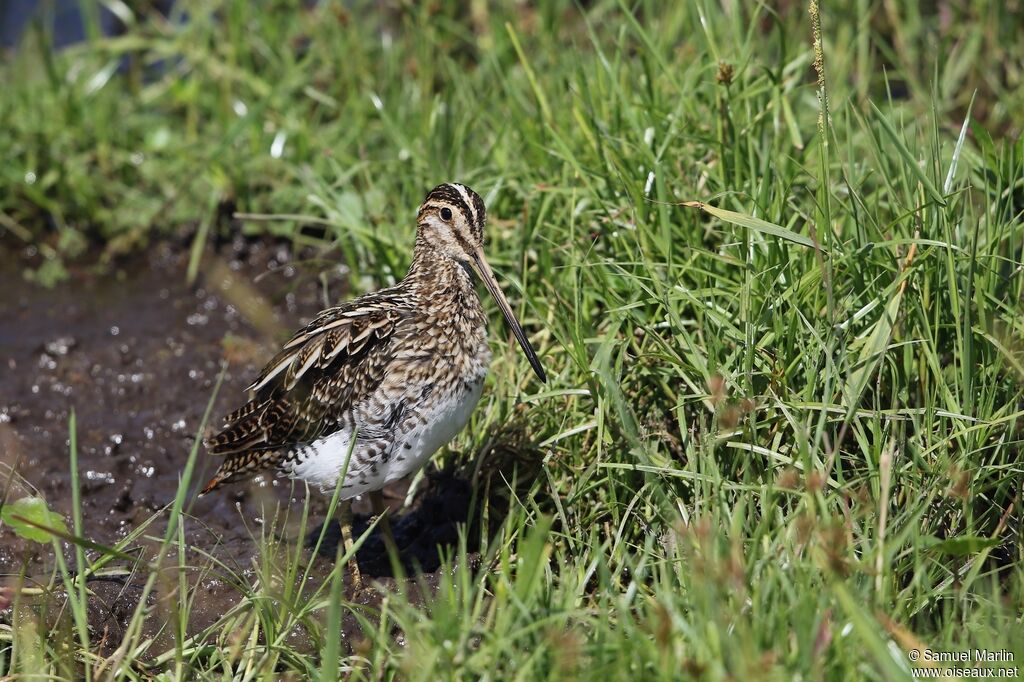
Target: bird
{"points": [[370, 389]]}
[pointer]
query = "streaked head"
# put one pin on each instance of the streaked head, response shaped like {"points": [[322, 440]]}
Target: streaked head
{"points": [[452, 216], [452, 219]]}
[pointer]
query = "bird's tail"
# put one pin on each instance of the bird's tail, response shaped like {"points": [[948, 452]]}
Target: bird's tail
{"points": [[214, 483], [235, 465]]}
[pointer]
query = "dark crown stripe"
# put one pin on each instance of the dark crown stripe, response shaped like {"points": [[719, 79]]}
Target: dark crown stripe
{"points": [[450, 193]]}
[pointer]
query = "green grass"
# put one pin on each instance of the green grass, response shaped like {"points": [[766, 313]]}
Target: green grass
{"points": [[757, 458]]}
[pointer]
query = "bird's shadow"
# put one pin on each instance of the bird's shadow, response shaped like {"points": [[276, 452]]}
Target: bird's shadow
{"points": [[420, 533], [504, 469]]}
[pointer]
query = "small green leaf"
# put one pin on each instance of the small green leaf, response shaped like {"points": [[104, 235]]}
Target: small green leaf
{"points": [[961, 546], [756, 224], [25, 516]]}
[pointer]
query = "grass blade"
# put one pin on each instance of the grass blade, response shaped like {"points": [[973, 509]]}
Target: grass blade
{"points": [[756, 224], [911, 162]]}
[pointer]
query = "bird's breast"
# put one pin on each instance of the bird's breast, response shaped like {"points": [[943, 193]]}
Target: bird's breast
{"points": [[438, 419]]}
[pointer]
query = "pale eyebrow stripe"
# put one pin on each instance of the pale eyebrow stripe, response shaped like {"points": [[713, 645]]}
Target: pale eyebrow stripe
{"points": [[462, 190]]}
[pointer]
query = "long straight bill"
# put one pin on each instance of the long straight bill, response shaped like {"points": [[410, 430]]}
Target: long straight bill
{"points": [[487, 275]]}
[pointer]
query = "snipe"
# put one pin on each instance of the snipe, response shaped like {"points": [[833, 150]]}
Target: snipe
{"points": [[389, 377]]}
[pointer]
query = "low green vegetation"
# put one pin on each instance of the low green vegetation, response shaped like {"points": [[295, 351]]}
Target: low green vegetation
{"points": [[781, 435]]}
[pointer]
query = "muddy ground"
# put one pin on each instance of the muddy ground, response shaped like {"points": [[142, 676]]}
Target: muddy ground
{"points": [[136, 353]]}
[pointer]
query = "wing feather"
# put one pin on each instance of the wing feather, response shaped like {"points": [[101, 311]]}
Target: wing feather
{"points": [[326, 368]]}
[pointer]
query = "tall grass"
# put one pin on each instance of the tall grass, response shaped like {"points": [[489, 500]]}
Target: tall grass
{"points": [[781, 434]]}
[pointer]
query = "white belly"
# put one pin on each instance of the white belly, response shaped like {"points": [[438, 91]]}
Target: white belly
{"points": [[321, 463], [442, 424]]}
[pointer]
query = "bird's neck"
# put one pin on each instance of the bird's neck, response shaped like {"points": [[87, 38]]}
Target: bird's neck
{"points": [[435, 273]]}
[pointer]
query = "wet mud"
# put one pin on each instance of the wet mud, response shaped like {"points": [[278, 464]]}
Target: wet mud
{"points": [[136, 354]]}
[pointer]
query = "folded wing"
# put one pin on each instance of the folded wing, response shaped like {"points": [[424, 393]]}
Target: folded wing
{"points": [[306, 389]]}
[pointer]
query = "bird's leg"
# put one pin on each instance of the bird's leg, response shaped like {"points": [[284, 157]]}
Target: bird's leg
{"points": [[345, 521], [381, 509]]}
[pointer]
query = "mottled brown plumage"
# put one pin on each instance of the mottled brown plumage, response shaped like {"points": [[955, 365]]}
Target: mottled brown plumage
{"points": [[388, 377]]}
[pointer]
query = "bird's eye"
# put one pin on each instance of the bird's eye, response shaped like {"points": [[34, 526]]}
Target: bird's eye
{"points": [[446, 214]]}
